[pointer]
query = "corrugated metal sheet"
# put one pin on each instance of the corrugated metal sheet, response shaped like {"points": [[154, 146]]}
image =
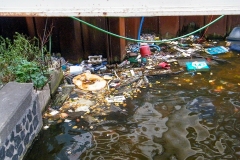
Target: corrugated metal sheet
{"points": [[117, 8]]}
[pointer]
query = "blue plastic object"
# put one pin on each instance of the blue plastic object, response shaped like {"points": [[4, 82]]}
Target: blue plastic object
{"points": [[235, 47], [144, 60], [234, 35], [197, 66], [216, 50], [64, 67]]}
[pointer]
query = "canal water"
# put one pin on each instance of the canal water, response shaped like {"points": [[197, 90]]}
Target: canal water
{"points": [[190, 115]]}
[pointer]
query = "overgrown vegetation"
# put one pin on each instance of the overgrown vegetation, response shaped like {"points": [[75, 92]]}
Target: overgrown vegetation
{"points": [[23, 60]]}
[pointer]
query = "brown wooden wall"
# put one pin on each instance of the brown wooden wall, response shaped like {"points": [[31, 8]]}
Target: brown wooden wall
{"points": [[76, 41]]}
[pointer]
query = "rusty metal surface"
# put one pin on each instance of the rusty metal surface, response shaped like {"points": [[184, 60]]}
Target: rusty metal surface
{"points": [[116, 8]]}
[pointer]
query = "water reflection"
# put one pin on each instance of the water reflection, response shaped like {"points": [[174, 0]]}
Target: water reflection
{"points": [[185, 116]]}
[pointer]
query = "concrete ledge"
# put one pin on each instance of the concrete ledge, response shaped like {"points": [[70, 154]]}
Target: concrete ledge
{"points": [[56, 79], [50, 89], [21, 119], [44, 97], [15, 98], [21, 115]]}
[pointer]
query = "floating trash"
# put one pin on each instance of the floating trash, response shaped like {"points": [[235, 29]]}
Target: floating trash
{"points": [[115, 99], [136, 114], [216, 50], [89, 82], [197, 66]]}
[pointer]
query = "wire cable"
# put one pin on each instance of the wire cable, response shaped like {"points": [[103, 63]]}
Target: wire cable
{"points": [[136, 40]]}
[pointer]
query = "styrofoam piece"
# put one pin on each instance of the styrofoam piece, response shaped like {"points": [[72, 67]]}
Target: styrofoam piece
{"points": [[117, 99], [76, 69], [54, 112], [82, 108]]}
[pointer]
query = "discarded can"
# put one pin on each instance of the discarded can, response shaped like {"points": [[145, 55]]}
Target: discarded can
{"points": [[124, 63]]}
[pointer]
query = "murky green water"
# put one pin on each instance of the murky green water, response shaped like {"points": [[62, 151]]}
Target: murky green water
{"points": [[184, 116]]}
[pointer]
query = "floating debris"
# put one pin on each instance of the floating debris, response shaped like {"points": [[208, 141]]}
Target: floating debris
{"points": [[93, 89], [45, 127], [89, 82]]}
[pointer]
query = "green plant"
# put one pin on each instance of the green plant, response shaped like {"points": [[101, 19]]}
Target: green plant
{"points": [[30, 72], [22, 60]]}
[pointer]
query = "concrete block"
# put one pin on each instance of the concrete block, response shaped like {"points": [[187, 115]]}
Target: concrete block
{"points": [[15, 98], [56, 79], [44, 96], [25, 131]]}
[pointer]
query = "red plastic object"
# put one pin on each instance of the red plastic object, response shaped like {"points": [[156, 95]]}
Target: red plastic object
{"points": [[145, 51], [164, 65]]}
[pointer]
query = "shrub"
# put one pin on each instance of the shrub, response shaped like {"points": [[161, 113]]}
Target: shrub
{"points": [[22, 60]]}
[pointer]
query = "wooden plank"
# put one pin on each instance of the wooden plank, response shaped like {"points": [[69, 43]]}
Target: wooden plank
{"points": [[94, 41], [132, 26], [85, 38], [216, 30], [55, 40], [40, 25], [97, 37], [75, 40], [188, 24], [117, 45], [30, 26], [77, 43], [232, 21], [122, 41], [168, 26], [68, 45], [150, 25]]}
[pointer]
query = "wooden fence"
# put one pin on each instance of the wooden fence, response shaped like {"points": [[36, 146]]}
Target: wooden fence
{"points": [[76, 41]]}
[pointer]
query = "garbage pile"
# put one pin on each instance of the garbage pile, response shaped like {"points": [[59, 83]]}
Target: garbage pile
{"points": [[95, 89]]}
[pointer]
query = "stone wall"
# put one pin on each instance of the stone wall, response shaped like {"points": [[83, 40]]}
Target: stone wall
{"points": [[21, 119], [21, 110]]}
